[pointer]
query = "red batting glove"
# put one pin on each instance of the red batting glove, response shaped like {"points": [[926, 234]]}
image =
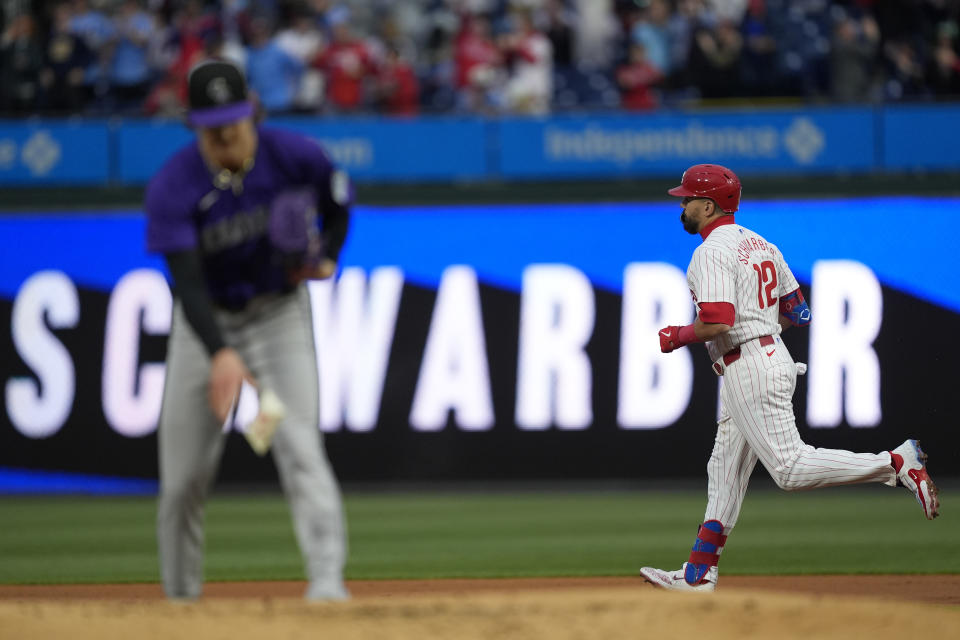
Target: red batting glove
{"points": [[674, 337], [670, 338]]}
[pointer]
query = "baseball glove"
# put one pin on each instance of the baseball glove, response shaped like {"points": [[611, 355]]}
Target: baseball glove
{"points": [[294, 232]]}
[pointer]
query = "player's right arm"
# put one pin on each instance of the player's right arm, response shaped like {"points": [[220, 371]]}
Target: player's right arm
{"points": [[227, 369], [711, 282], [706, 331], [186, 271], [674, 337], [171, 231]]}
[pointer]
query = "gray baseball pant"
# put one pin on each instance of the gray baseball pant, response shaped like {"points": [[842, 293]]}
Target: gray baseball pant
{"points": [[275, 339]]}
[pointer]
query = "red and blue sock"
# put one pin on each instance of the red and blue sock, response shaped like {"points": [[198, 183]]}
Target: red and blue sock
{"points": [[705, 552]]}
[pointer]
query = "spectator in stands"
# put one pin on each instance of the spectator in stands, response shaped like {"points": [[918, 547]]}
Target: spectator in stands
{"points": [[392, 34], [943, 70], [437, 67], [21, 54], [805, 48], [303, 40], [234, 18], [905, 72], [346, 64], [650, 30], [194, 36], [195, 29], [391, 44], [715, 60], [233, 23], [272, 73], [397, 89], [759, 65], [803, 29], [906, 20], [597, 35], [479, 65], [442, 24], [852, 54], [163, 46], [66, 59], [530, 57], [91, 24], [410, 23], [731, 11], [559, 20], [680, 29], [97, 30], [130, 74], [636, 80]]}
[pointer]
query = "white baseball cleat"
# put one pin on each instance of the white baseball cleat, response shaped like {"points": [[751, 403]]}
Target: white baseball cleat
{"points": [[674, 579], [913, 475]]}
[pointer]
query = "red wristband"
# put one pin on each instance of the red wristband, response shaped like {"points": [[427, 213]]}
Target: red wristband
{"points": [[686, 335]]}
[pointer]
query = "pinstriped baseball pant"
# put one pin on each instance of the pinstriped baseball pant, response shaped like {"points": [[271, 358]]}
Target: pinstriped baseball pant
{"points": [[757, 423], [275, 341]]}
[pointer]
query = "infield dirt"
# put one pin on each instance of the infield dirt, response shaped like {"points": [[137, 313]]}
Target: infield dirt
{"points": [[582, 608]]}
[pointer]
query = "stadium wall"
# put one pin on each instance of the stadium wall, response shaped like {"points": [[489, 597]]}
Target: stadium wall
{"points": [[813, 141]]}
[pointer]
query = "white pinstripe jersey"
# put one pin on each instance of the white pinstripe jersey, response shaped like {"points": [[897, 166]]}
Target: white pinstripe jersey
{"points": [[737, 266]]}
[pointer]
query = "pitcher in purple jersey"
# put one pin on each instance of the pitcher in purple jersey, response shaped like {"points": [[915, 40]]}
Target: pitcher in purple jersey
{"points": [[244, 215]]}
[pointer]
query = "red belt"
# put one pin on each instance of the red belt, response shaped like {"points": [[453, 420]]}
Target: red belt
{"points": [[734, 354]]}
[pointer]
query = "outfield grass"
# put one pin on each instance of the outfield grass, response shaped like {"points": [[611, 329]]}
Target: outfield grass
{"points": [[423, 535]]}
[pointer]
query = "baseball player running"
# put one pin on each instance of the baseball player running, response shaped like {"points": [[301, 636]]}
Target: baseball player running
{"points": [[745, 295], [235, 215]]}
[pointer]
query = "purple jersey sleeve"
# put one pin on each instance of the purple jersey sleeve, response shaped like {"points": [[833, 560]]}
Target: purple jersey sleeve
{"points": [[306, 162], [170, 202]]}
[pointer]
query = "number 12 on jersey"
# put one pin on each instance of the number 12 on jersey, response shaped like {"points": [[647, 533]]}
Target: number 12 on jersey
{"points": [[766, 283]]}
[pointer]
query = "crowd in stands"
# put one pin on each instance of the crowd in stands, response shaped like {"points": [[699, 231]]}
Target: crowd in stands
{"points": [[403, 57]]}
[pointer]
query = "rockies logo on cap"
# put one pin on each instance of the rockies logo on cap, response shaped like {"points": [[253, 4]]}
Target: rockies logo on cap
{"points": [[219, 90], [217, 94]]}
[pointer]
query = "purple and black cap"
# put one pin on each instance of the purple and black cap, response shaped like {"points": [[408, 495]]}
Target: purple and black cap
{"points": [[217, 94]]}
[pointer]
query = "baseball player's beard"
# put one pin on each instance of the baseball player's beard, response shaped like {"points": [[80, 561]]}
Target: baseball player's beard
{"points": [[688, 225]]}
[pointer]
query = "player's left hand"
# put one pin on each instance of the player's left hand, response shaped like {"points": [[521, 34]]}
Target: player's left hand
{"points": [[670, 338]]}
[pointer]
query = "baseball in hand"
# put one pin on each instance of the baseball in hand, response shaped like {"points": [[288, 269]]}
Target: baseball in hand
{"points": [[325, 269], [321, 271]]}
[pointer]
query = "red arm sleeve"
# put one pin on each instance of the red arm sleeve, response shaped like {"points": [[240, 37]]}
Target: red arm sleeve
{"points": [[722, 312]]}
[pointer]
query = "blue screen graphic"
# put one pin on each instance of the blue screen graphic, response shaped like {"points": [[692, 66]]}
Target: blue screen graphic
{"points": [[25, 482], [890, 235]]}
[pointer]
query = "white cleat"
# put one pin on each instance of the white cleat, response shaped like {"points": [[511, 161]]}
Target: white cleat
{"points": [[674, 579], [913, 475]]}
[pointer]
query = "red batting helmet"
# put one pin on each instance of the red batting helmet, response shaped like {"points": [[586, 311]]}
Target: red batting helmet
{"points": [[710, 181]]}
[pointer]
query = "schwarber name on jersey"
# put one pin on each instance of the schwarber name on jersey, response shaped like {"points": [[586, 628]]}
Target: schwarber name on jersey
{"points": [[737, 277]]}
